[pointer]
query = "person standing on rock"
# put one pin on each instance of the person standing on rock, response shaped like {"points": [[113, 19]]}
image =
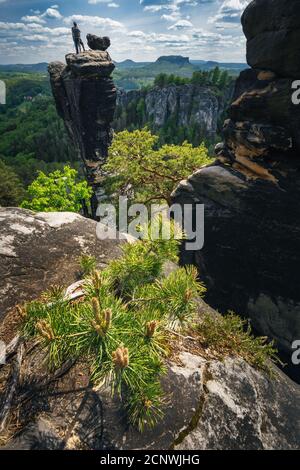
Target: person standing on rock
{"points": [[77, 38]]}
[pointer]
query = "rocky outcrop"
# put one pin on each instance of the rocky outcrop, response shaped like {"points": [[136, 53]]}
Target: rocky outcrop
{"points": [[174, 59], [252, 220], [85, 97], [187, 106], [272, 29], [211, 406], [98, 44]]}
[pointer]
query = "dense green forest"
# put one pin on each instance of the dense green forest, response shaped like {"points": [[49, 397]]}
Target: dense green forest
{"points": [[216, 77], [33, 138]]}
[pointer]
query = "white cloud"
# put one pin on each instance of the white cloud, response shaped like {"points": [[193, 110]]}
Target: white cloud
{"points": [[181, 24], [52, 13], [33, 19], [229, 12], [95, 21], [109, 3]]}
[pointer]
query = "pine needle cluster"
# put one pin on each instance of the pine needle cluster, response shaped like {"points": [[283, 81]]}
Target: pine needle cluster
{"points": [[122, 326]]}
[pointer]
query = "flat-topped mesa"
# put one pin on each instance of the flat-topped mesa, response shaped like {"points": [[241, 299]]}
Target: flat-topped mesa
{"points": [[85, 97], [96, 43]]}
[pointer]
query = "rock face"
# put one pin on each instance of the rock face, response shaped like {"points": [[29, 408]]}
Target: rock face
{"points": [[85, 97], [38, 250], [272, 29], [188, 106], [211, 406], [98, 44], [252, 220]]}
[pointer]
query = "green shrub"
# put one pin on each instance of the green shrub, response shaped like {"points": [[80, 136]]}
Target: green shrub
{"points": [[87, 264], [124, 326], [151, 173], [58, 191], [229, 335]]}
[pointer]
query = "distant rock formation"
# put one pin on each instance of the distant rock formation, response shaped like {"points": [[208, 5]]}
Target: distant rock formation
{"points": [[85, 97], [250, 261], [187, 106], [174, 59]]}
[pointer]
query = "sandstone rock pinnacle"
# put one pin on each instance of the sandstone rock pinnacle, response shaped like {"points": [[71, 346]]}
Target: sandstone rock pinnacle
{"points": [[85, 97]]}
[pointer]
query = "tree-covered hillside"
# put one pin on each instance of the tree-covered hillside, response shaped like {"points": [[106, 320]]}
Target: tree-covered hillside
{"points": [[33, 137], [178, 108]]}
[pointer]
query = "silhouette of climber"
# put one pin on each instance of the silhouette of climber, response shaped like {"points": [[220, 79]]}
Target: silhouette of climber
{"points": [[77, 38]]}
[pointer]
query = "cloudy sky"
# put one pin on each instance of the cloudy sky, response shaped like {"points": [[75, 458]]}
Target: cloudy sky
{"points": [[38, 31]]}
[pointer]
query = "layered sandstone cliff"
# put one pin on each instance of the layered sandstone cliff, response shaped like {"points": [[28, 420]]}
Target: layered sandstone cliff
{"points": [[85, 97], [250, 261], [186, 106]]}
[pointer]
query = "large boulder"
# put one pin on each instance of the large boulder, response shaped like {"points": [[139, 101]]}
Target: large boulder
{"points": [[272, 29], [97, 43], [38, 250], [90, 63]]}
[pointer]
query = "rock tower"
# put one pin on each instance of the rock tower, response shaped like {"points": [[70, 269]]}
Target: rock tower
{"points": [[85, 97], [251, 257]]}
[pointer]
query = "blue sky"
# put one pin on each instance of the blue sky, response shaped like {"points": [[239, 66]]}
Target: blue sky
{"points": [[39, 31]]}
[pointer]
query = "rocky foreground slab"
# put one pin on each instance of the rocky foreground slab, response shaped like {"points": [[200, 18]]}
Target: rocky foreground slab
{"points": [[209, 404], [251, 254]]}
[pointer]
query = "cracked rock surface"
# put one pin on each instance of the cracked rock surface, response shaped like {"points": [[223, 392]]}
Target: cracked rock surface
{"points": [[210, 405], [85, 98]]}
